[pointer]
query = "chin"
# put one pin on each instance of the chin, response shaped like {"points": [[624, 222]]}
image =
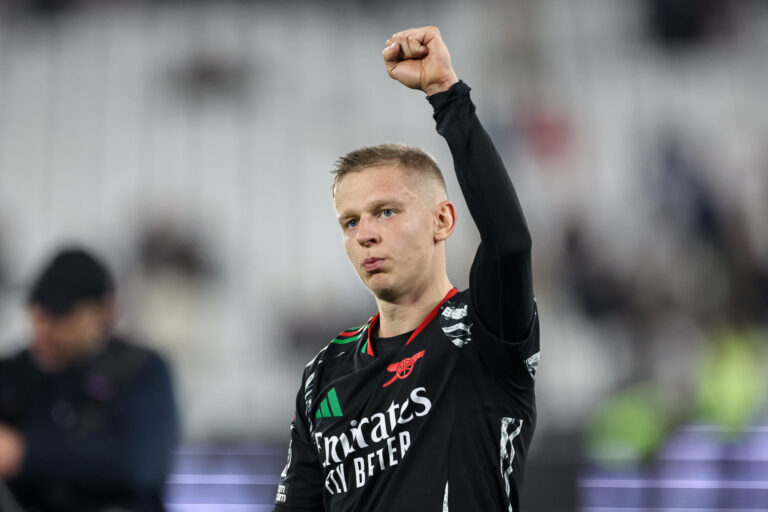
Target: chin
{"points": [[386, 294], [46, 362], [381, 287]]}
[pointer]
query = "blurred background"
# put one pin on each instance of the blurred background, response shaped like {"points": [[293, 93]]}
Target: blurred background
{"points": [[190, 143]]}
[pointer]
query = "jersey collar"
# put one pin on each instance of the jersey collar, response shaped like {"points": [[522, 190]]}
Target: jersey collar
{"points": [[367, 347]]}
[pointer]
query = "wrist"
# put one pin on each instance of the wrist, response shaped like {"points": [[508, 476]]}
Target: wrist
{"points": [[441, 86]]}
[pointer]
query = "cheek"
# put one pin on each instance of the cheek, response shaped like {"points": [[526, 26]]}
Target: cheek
{"points": [[76, 333], [64, 337], [51, 342], [352, 249], [412, 248], [420, 236], [349, 245], [89, 328]]}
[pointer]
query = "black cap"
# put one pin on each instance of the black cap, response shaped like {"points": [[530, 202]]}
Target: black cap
{"points": [[72, 276]]}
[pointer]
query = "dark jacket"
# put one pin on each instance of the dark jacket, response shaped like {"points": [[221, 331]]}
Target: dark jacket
{"points": [[99, 435]]}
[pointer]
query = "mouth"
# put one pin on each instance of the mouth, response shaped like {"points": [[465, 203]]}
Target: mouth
{"points": [[372, 264]]}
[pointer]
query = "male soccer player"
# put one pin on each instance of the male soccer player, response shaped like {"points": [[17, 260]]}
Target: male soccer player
{"points": [[429, 405]]}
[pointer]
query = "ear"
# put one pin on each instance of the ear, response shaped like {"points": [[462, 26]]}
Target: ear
{"points": [[444, 217]]}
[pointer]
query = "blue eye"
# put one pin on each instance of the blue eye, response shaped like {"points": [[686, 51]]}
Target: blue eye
{"points": [[352, 223], [387, 213]]}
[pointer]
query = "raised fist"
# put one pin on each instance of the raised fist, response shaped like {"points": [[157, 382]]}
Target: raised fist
{"points": [[419, 59]]}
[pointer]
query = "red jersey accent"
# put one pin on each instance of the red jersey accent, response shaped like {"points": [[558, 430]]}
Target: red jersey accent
{"points": [[404, 368], [351, 331], [369, 347], [422, 325], [451, 293]]}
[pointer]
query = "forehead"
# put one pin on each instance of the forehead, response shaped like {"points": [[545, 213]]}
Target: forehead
{"points": [[75, 312], [357, 189]]}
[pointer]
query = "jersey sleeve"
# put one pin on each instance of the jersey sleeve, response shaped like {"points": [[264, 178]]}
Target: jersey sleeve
{"points": [[500, 279], [300, 488]]}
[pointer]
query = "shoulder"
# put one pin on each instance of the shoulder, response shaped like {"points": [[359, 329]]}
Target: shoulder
{"points": [[20, 358], [130, 348], [346, 342], [341, 343], [18, 365], [461, 322], [15, 367], [455, 320], [459, 300], [472, 312], [129, 361]]}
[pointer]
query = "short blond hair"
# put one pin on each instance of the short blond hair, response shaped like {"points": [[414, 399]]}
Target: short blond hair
{"points": [[408, 158]]}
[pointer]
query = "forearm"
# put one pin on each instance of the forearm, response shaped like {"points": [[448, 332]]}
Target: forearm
{"points": [[501, 279], [104, 460], [485, 184], [95, 461]]}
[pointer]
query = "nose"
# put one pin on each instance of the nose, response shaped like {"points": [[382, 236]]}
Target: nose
{"points": [[367, 234]]}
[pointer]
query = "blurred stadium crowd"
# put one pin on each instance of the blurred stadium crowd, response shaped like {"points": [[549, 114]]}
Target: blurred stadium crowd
{"points": [[190, 143]]}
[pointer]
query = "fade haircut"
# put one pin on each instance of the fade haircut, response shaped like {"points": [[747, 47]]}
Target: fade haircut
{"points": [[412, 160]]}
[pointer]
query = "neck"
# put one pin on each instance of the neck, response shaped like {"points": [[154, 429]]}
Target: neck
{"points": [[407, 312]]}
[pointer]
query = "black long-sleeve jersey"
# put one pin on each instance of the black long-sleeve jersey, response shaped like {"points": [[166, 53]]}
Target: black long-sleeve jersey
{"points": [[438, 419]]}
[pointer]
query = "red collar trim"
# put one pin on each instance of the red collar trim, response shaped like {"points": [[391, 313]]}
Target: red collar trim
{"points": [[368, 346], [422, 325]]}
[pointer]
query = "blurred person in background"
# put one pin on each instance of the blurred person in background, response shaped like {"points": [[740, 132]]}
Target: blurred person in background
{"points": [[428, 405], [88, 420]]}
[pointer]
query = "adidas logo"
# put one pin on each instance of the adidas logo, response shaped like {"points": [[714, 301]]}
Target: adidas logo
{"points": [[329, 407]]}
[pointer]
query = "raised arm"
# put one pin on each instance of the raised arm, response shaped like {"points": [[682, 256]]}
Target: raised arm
{"points": [[500, 280]]}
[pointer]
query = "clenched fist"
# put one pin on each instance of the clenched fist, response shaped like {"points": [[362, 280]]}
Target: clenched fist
{"points": [[419, 59]]}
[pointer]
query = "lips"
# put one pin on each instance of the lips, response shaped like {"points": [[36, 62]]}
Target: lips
{"points": [[372, 264]]}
